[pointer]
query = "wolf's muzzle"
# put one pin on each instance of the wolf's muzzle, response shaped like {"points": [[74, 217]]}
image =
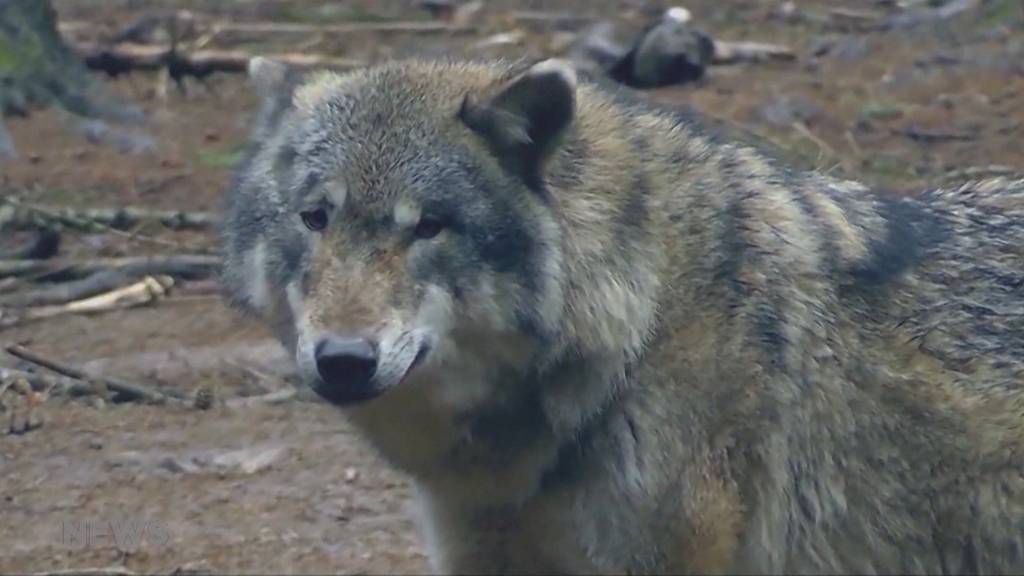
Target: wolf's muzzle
{"points": [[347, 366]]}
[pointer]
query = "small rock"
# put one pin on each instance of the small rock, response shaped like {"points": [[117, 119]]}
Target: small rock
{"points": [[351, 474], [95, 444]]}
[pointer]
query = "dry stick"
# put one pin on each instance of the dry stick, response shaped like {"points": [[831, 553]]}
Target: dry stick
{"points": [[111, 571], [143, 292], [42, 217], [200, 63], [105, 280], [342, 29], [735, 52], [187, 266], [127, 392], [823, 147], [40, 381], [118, 218], [275, 397], [100, 282]]}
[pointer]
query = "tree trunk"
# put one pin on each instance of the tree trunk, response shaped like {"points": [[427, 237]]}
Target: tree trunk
{"points": [[37, 69]]}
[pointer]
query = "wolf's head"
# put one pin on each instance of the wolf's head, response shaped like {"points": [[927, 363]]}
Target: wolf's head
{"points": [[392, 226]]}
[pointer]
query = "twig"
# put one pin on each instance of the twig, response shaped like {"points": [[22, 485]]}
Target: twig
{"points": [[19, 215], [735, 52], [559, 19], [100, 282], [122, 58], [127, 392], [186, 266], [143, 292], [340, 29], [29, 216], [41, 381], [111, 571], [275, 397], [105, 280], [823, 147], [930, 136]]}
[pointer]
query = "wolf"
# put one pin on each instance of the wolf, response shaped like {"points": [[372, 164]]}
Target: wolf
{"points": [[601, 338]]}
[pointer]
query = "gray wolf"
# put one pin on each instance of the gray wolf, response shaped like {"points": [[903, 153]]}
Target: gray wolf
{"points": [[601, 339]]}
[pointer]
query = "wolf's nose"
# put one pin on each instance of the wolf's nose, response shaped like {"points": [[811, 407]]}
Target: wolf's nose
{"points": [[346, 366]]}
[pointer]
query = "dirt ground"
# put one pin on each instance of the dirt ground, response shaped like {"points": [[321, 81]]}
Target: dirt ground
{"points": [[287, 488]]}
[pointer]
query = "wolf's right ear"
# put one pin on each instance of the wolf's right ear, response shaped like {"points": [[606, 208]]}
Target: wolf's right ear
{"points": [[524, 123], [266, 74]]}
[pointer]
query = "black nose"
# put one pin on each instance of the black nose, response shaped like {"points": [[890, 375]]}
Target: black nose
{"points": [[346, 366]]}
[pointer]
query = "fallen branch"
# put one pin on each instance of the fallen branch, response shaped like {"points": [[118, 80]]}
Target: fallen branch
{"points": [[275, 397], [932, 136], [736, 52], [105, 280], [98, 283], [42, 381], [22, 215], [339, 29], [126, 392], [111, 571], [143, 292], [551, 19], [123, 58], [184, 266]]}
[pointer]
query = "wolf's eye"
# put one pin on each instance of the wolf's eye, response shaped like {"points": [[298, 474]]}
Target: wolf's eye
{"points": [[315, 219], [428, 227]]}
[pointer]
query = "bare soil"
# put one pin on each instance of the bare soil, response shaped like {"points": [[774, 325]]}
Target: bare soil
{"points": [[900, 109]]}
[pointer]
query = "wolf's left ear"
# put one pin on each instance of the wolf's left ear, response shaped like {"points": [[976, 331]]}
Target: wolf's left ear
{"points": [[523, 123]]}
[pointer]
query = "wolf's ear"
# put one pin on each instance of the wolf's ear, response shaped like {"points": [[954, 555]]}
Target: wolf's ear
{"points": [[266, 75], [523, 123]]}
